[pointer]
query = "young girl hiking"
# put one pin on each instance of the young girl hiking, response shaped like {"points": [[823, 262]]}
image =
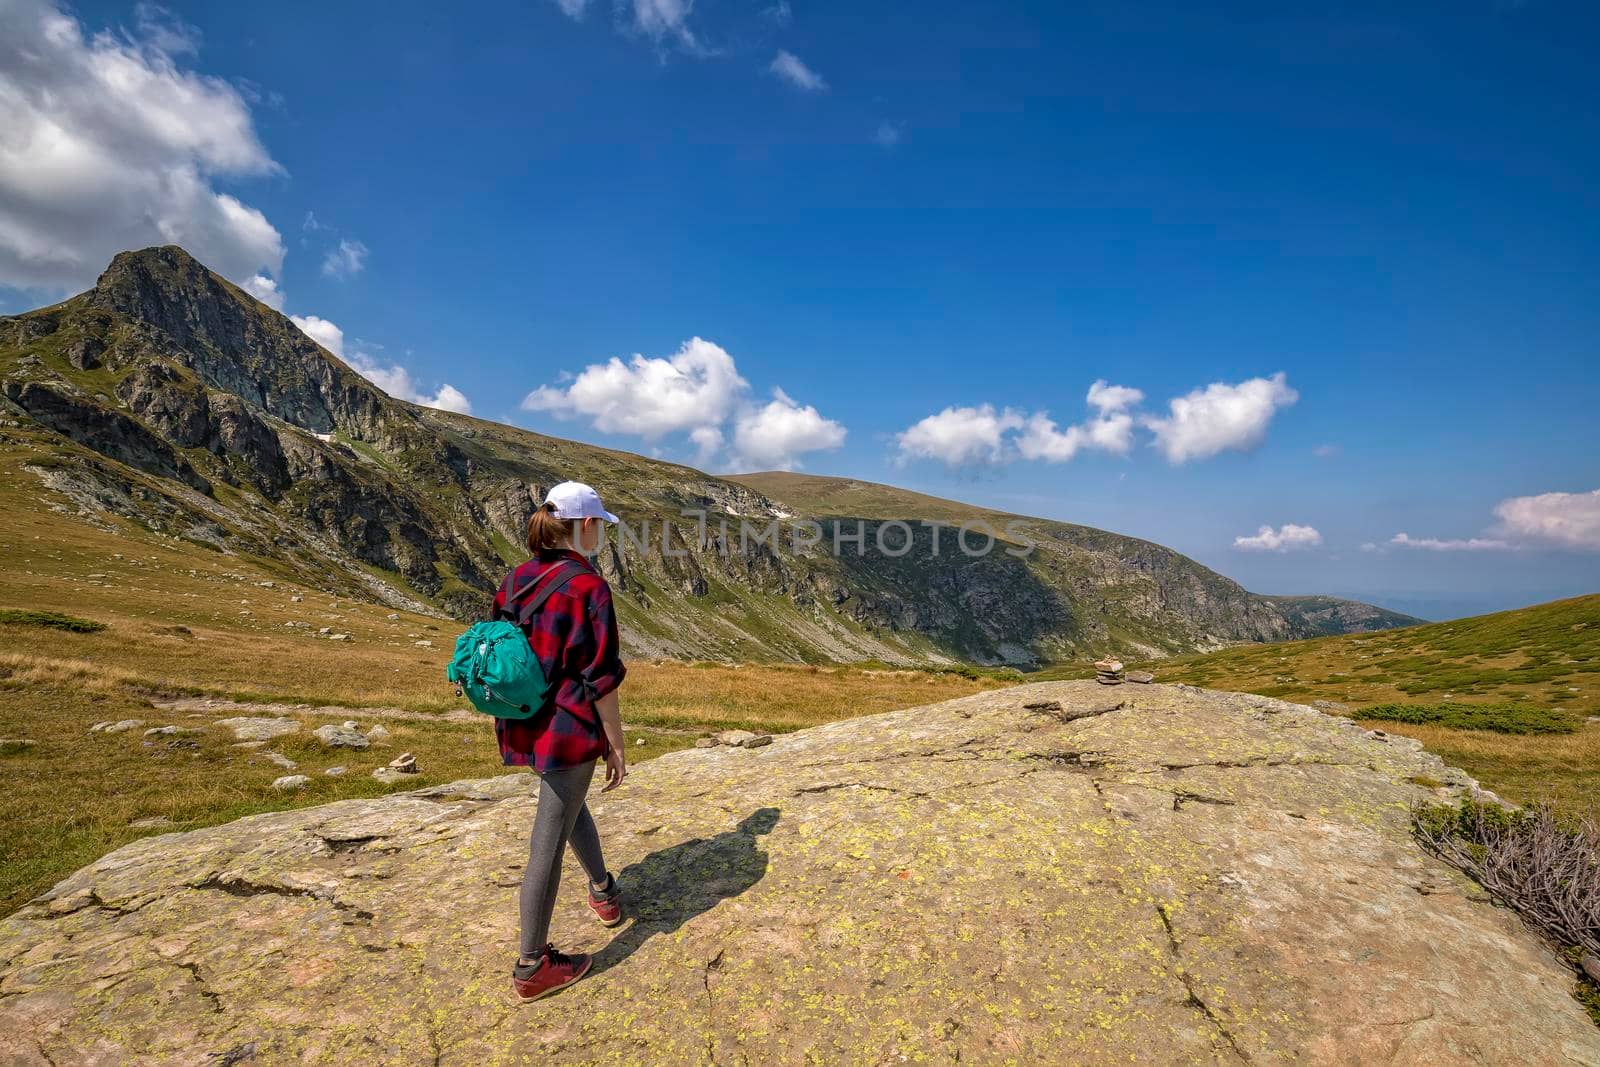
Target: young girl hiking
{"points": [[573, 634]]}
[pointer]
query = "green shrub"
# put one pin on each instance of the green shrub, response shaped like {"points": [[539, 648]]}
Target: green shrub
{"points": [[53, 619], [1502, 718]]}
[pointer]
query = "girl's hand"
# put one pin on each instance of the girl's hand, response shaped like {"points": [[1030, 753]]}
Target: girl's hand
{"points": [[616, 769]]}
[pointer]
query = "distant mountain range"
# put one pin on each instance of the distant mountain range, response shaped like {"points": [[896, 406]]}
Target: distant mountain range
{"points": [[170, 397]]}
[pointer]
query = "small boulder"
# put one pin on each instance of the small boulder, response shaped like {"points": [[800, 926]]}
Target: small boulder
{"points": [[423, 644], [705, 742], [378, 733], [335, 736], [334, 772], [339, 637], [351, 724], [247, 728], [1140, 677], [281, 760], [388, 775], [97, 727], [743, 739], [405, 763], [124, 725], [297, 598], [161, 731], [290, 782], [1591, 966], [639, 741]]}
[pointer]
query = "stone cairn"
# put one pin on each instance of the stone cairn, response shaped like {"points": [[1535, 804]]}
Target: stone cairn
{"points": [[1108, 671]]}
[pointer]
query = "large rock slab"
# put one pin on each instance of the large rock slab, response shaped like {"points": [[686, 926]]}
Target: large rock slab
{"points": [[1178, 876]]}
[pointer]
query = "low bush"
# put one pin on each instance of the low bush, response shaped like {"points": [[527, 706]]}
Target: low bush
{"points": [[53, 619], [1541, 865], [1500, 718]]}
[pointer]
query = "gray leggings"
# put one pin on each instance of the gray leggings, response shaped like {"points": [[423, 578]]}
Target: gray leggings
{"points": [[562, 818]]}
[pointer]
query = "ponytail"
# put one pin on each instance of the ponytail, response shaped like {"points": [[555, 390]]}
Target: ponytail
{"points": [[546, 530]]}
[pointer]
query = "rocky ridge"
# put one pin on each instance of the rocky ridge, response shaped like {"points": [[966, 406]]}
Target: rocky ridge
{"points": [[1058, 872], [168, 396]]}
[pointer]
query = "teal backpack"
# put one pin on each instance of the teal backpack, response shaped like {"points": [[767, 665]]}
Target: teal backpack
{"points": [[494, 666]]}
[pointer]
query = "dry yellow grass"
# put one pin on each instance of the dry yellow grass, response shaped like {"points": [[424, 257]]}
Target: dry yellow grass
{"points": [[181, 621]]}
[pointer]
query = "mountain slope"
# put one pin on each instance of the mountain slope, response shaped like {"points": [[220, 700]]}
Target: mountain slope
{"points": [[169, 397]]}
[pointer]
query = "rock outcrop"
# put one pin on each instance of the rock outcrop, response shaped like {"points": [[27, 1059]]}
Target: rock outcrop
{"points": [[1051, 873]]}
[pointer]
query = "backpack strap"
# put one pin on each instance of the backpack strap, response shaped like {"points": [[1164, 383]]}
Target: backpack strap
{"points": [[548, 583]]}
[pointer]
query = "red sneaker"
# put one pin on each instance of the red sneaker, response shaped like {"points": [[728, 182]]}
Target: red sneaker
{"points": [[554, 971], [608, 908]]}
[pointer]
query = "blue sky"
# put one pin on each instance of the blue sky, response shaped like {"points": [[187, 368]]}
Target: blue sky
{"points": [[970, 212]]}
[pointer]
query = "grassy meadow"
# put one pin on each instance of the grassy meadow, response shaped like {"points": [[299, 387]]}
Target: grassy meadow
{"points": [[1511, 698], [104, 623]]}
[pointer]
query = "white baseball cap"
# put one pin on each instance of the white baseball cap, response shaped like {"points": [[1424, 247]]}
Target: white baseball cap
{"points": [[574, 500]]}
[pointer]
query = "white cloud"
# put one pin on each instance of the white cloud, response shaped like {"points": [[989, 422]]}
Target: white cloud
{"points": [[666, 20], [265, 290], [321, 331], [793, 70], [1435, 544], [572, 8], [979, 436], [107, 144], [1220, 417], [345, 259], [1566, 520], [888, 134], [650, 397], [391, 378], [396, 381], [698, 392], [1111, 398], [960, 436], [1285, 538], [774, 437], [1326, 451]]}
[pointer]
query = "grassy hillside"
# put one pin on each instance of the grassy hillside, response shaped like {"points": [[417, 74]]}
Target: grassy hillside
{"points": [[1542, 663], [101, 622]]}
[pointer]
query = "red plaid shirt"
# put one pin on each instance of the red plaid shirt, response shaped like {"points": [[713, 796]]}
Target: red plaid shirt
{"points": [[574, 636]]}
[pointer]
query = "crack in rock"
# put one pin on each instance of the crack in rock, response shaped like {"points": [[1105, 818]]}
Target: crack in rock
{"points": [[1183, 976], [243, 887], [207, 994], [711, 1006], [1054, 710]]}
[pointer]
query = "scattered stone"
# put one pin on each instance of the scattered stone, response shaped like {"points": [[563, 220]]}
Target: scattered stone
{"points": [[1108, 671], [640, 741], [297, 598], [339, 637], [163, 731], [705, 742], [334, 772], [10, 746], [423, 644], [351, 724], [405, 763], [281, 760], [378, 733], [1591, 966], [388, 775], [124, 725], [335, 736], [150, 822], [1140, 677], [290, 782], [326, 630], [743, 739], [97, 727], [255, 728], [391, 615]]}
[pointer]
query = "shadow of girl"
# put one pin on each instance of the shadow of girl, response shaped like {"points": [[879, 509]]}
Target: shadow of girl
{"points": [[671, 886]]}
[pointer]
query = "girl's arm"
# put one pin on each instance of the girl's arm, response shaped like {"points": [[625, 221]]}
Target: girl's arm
{"points": [[616, 748]]}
